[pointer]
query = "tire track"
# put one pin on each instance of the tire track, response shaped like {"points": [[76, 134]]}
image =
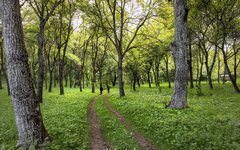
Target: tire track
{"points": [[144, 143], [97, 141]]}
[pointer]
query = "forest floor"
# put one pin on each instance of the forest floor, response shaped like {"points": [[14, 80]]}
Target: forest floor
{"points": [[97, 141], [212, 120]]}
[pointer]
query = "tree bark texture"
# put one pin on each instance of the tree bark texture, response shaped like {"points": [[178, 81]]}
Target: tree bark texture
{"points": [[120, 77], [26, 107], [40, 62], [179, 53]]}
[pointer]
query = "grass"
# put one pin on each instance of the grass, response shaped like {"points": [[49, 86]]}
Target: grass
{"points": [[115, 133], [65, 118], [211, 122]]}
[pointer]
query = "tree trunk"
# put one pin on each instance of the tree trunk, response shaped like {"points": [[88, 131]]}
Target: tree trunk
{"points": [[201, 68], [134, 84], [50, 80], [40, 62], [179, 52], [80, 83], [209, 74], [120, 77], [26, 107], [235, 86], [66, 79], [190, 62], [93, 82], [6, 77], [138, 81], [61, 68], [167, 73], [219, 77], [156, 76], [149, 78], [114, 79]]}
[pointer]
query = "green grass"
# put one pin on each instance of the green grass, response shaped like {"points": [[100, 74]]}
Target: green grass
{"points": [[8, 130], [211, 122], [65, 118], [117, 136]]}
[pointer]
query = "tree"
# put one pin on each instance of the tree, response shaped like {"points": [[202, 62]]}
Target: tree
{"points": [[227, 13], [63, 32], [43, 12], [27, 109], [114, 19], [179, 53]]}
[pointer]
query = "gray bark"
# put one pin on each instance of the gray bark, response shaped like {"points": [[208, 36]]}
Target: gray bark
{"points": [[120, 77], [27, 110], [179, 52], [40, 61]]}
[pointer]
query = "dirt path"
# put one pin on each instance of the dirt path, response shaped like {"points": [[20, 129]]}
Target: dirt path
{"points": [[144, 143], [97, 141]]}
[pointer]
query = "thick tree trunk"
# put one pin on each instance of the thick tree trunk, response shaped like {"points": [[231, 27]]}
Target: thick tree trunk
{"points": [[120, 77], [26, 107], [179, 52]]}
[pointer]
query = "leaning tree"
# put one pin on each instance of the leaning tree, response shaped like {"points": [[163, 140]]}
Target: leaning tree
{"points": [[26, 107]]}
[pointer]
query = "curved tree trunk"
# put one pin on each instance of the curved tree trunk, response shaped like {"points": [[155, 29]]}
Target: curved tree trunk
{"points": [[26, 107], [179, 52]]}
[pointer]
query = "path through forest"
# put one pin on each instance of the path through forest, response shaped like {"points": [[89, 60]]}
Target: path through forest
{"points": [[143, 142], [97, 140]]}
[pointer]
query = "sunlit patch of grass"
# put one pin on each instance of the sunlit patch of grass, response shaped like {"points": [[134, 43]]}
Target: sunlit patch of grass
{"points": [[117, 136], [65, 119], [8, 130], [211, 122]]}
